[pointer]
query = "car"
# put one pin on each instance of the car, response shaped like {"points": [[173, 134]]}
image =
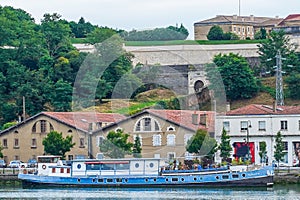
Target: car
{"points": [[2, 163], [32, 163], [15, 164]]}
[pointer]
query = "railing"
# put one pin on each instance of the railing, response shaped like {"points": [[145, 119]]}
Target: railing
{"points": [[9, 171]]}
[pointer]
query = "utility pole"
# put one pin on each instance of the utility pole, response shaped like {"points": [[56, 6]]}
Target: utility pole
{"points": [[279, 81], [239, 7]]}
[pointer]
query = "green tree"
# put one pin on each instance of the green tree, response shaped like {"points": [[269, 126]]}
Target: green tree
{"points": [[137, 149], [62, 96], [261, 34], [1, 148], [202, 144], [268, 49], [215, 33], [55, 144], [237, 76], [293, 85], [8, 124], [98, 35], [279, 147], [262, 151], [116, 145], [225, 146]]}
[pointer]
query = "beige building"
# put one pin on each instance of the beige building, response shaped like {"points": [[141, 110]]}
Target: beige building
{"points": [[163, 133], [243, 26], [24, 140]]}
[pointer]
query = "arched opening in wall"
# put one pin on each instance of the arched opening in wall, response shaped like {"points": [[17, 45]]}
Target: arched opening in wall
{"points": [[198, 86]]}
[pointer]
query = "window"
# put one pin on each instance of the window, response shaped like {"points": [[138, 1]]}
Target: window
{"points": [[33, 143], [70, 157], [4, 143], [283, 125], [43, 126], [261, 125], [234, 29], [16, 143], [170, 128], [171, 140], [226, 126], [33, 130], [244, 125], [285, 146], [171, 155], [299, 125], [156, 140], [147, 124], [81, 142]]}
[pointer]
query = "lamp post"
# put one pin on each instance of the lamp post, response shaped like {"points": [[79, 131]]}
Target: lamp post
{"points": [[90, 150]]}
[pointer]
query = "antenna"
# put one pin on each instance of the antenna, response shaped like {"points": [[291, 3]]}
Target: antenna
{"points": [[279, 85], [24, 112], [239, 7]]}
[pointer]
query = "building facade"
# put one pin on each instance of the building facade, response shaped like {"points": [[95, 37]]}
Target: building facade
{"points": [[256, 124], [243, 26]]}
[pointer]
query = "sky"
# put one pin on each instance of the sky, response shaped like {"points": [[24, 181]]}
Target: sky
{"points": [[149, 14]]}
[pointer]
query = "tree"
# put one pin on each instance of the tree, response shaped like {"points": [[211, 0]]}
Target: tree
{"points": [[237, 76], [1, 148], [225, 146], [116, 145], [261, 34], [137, 149], [268, 49], [215, 33], [262, 151], [279, 147], [202, 144], [293, 85], [98, 35], [55, 144]]}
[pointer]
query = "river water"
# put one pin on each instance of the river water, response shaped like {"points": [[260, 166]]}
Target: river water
{"points": [[290, 192]]}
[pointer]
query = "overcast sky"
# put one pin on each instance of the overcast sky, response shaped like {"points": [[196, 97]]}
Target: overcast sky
{"points": [[147, 14]]}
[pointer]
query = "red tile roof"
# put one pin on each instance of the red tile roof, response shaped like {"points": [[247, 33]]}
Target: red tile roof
{"points": [[291, 17], [256, 109], [81, 120], [184, 118]]}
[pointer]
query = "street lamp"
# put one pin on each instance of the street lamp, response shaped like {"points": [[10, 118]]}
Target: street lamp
{"points": [[89, 142]]}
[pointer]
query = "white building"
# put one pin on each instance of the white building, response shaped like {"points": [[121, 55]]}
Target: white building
{"points": [[260, 123]]}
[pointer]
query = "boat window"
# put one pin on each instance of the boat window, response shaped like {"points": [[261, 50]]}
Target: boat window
{"points": [[53, 170], [119, 180], [78, 180], [175, 179], [182, 179], [107, 166], [93, 167], [126, 180], [151, 165], [146, 180], [217, 177], [235, 176], [93, 180], [154, 179], [61, 170], [122, 166], [100, 180], [195, 178], [109, 180], [243, 175], [137, 165], [225, 177], [167, 179], [78, 166]]}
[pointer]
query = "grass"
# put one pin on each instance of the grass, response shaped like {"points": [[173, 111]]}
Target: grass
{"points": [[176, 42], [135, 107]]}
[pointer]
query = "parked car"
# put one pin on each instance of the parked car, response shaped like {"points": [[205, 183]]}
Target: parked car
{"points": [[15, 164], [32, 163], [2, 163]]}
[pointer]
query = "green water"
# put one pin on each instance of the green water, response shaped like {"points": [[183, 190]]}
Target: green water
{"points": [[290, 192]]}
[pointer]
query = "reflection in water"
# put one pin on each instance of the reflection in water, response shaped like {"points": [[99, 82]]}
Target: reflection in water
{"points": [[278, 192]]}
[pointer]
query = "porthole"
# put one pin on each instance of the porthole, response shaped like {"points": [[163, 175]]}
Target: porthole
{"points": [[78, 166], [154, 179], [182, 179], [100, 180], [109, 180], [126, 180], [137, 165], [146, 180], [94, 180], [244, 175], [195, 178], [78, 180], [151, 165], [167, 179], [217, 177]]}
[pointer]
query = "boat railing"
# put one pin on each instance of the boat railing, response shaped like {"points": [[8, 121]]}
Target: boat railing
{"points": [[166, 171]]}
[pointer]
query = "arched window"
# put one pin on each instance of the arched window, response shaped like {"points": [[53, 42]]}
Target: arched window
{"points": [[147, 124], [171, 128]]}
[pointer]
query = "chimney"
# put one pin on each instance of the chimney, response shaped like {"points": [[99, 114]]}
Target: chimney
{"points": [[203, 119], [234, 17], [275, 106], [227, 106], [252, 18], [195, 119]]}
